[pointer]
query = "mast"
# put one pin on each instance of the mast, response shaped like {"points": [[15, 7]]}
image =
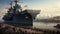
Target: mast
{"points": [[16, 2], [11, 4], [11, 8], [17, 6]]}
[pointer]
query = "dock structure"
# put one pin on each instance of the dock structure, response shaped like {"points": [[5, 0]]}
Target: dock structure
{"points": [[6, 29]]}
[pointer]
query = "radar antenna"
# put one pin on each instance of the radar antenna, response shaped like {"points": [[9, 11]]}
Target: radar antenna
{"points": [[16, 2], [17, 6]]}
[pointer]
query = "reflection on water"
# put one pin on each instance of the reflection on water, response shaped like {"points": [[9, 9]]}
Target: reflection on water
{"points": [[45, 25]]}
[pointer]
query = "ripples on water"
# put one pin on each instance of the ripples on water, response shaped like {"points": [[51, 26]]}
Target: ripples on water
{"points": [[44, 25]]}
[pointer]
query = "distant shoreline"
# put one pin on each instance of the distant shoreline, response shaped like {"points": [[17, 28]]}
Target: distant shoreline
{"points": [[47, 21]]}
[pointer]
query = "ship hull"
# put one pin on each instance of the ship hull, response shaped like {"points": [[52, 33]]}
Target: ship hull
{"points": [[21, 19], [19, 23]]}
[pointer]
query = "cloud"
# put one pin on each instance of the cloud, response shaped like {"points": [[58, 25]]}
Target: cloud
{"points": [[50, 7], [4, 11]]}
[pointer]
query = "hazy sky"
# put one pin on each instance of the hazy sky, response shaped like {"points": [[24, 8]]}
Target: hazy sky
{"points": [[48, 7]]}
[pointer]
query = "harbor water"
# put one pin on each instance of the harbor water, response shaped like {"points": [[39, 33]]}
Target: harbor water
{"points": [[44, 25]]}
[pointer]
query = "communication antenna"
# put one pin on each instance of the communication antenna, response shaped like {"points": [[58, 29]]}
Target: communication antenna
{"points": [[11, 4], [16, 1]]}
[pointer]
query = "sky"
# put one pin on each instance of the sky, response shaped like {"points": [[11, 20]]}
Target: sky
{"points": [[49, 8]]}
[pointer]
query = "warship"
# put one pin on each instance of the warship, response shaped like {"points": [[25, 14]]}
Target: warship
{"points": [[16, 16]]}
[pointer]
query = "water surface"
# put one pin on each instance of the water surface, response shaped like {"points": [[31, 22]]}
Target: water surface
{"points": [[44, 25]]}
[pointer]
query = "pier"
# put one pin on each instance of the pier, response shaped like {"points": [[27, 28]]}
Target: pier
{"points": [[6, 29]]}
